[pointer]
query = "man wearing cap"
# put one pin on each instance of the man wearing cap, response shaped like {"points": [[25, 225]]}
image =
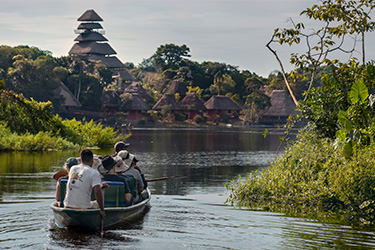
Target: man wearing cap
{"points": [[115, 166], [82, 180], [70, 162], [120, 146]]}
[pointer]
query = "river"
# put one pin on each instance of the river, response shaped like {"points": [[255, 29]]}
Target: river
{"points": [[184, 213]]}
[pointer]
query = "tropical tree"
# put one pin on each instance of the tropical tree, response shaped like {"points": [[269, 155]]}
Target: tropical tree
{"points": [[170, 56], [33, 77], [256, 99], [340, 18]]}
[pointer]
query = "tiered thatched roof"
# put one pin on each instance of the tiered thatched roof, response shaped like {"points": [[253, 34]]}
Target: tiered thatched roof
{"points": [[136, 88], [111, 99], [90, 15], [281, 105], [91, 42], [108, 61], [192, 102], [176, 87], [135, 102], [167, 99], [70, 100], [87, 48], [90, 36], [123, 74], [89, 26], [220, 102]]}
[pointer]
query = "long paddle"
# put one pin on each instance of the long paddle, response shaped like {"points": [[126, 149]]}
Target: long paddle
{"points": [[165, 178], [101, 226]]}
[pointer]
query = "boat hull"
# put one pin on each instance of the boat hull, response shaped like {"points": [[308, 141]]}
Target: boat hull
{"points": [[90, 218]]}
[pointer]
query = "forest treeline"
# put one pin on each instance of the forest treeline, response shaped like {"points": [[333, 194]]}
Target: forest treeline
{"points": [[37, 74], [30, 76]]}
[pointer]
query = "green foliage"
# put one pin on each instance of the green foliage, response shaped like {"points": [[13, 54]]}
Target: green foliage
{"points": [[42, 141], [142, 122], [179, 116], [36, 128], [313, 178], [2, 85], [30, 142], [346, 89], [358, 93], [89, 134], [153, 115], [170, 56], [33, 77], [329, 172], [199, 119], [27, 116]]}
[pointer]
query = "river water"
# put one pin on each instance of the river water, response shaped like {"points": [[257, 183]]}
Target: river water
{"points": [[184, 213]]}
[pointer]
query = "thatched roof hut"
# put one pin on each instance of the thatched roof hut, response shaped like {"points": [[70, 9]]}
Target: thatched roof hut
{"points": [[90, 15], [282, 106], [134, 106], [69, 99], [135, 102], [111, 99], [219, 106], [136, 88], [192, 102], [220, 102], [177, 87], [167, 99]]}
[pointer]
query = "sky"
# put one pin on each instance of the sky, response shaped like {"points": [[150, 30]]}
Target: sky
{"points": [[226, 31]]}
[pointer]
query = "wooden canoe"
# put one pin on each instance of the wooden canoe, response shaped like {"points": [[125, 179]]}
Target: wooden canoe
{"points": [[90, 218]]}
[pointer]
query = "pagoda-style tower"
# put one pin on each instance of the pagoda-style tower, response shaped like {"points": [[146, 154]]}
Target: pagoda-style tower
{"points": [[90, 42]]}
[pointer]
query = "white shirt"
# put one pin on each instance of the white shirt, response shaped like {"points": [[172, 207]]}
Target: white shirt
{"points": [[82, 178]]}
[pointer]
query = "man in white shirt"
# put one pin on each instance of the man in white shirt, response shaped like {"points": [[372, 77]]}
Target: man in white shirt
{"points": [[82, 179]]}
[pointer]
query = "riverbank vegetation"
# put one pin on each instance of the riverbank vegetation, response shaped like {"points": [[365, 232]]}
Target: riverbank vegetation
{"points": [[329, 171], [31, 125]]}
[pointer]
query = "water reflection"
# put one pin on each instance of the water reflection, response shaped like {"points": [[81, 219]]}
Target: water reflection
{"points": [[206, 158], [184, 213]]}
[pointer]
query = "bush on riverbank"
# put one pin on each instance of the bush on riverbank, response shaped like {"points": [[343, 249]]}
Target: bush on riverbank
{"points": [[40, 141], [313, 178], [30, 125]]}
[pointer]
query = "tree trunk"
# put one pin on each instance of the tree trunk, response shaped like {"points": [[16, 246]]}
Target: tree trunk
{"points": [[282, 71], [363, 48]]}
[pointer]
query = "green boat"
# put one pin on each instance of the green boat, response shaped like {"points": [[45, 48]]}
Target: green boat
{"points": [[116, 212]]}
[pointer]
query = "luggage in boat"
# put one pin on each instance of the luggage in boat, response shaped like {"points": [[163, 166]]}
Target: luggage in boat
{"points": [[132, 184]]}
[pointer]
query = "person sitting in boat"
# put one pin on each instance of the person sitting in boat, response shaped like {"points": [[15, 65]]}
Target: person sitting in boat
{"points": [[82, 180], [131, 162], [70, 162], [97, 165], [114, 169], [124, 154], [120, 146]]}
